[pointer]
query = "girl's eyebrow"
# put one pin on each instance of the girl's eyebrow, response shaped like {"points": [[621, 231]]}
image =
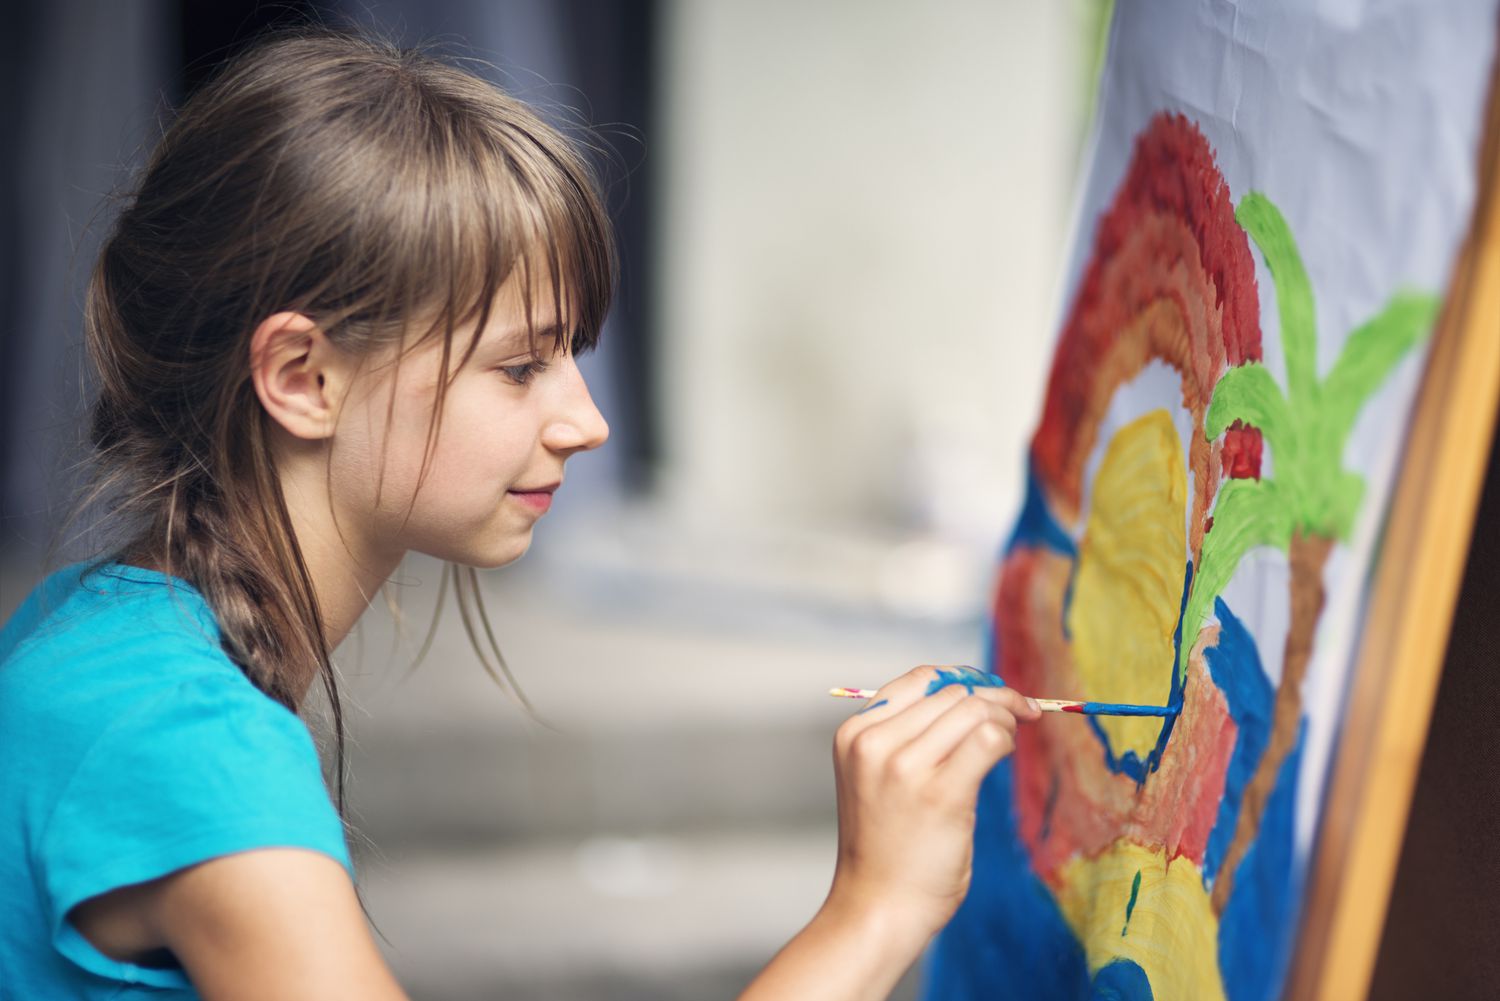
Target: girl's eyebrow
{"points": [[518, 337]]}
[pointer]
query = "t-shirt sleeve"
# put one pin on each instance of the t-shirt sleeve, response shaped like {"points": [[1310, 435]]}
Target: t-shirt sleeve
{"points": [[208, 768]]}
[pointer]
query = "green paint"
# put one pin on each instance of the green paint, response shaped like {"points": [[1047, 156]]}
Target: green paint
{"points": [[1294, 298], [1306, 428], [1135, 888]]}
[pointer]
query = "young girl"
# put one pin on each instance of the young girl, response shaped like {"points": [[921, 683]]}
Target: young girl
{"points": [[338, 321]]}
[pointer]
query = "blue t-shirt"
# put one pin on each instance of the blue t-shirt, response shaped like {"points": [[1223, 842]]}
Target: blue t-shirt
{"points": [[131, 746]]}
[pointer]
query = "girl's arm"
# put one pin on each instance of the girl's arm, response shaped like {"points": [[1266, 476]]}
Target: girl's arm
{"points": [[285, 923], [278, 923], [908, 770]]}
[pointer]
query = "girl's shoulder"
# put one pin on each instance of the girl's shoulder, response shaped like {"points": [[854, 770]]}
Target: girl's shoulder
{"points": [[95, 604], [96, 643], [135, 748]]}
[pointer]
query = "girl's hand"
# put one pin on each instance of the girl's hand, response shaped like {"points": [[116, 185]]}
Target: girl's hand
{"points": [[908, 768]]}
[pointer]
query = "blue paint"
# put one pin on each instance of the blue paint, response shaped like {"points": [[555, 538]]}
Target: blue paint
{"points": [[1009, 938], [874, 705], [970, 677], [1236, 668], [1259, 924], [1135, 888], [1125, 709], [1036, 528], [1121, 980], [1130, 763]]}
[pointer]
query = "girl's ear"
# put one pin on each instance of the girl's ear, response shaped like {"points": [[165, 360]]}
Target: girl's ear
{"points": [[299, 375]]}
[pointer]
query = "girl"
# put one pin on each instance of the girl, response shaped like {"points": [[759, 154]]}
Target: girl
{"points": [[337, 321]]}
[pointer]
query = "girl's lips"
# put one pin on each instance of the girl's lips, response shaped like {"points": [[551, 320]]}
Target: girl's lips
{"points": [[537, 500]]}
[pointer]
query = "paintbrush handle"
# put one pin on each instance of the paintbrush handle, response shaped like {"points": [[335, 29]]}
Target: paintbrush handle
{"points": [[1050, 705]]}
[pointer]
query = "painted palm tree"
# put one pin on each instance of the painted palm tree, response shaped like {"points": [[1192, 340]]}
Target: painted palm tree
{"points": [[1310, 500]]}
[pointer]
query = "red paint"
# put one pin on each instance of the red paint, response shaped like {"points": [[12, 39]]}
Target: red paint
{"points": [[1072, 709], [1170, 279], [1242, 452], [1169, 239]]}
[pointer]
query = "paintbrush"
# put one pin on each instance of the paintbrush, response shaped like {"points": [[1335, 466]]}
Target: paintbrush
{"points": [[1048, 705]]}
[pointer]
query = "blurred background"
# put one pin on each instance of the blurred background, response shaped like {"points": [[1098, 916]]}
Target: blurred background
{"points": [[842, 225]]}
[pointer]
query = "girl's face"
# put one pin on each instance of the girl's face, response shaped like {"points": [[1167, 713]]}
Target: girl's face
{"points": [[511, 419]]}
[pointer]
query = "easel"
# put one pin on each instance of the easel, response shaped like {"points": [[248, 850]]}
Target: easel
{"points": [[1409, 615]]}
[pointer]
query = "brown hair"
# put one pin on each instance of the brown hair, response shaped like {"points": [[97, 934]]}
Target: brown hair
{"points": [[380, 191]]}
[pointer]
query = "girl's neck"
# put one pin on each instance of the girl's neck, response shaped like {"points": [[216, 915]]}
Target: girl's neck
{"points": [[346, 572]]}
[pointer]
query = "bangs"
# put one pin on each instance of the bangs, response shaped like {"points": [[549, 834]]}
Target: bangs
{"points": [[509, 198]]}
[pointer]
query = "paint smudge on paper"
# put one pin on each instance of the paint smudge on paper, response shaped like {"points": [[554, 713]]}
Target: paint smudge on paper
{"points": [[1135, 889]]}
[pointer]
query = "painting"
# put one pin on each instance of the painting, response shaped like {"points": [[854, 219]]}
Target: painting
{"points": [[1277, 194]]}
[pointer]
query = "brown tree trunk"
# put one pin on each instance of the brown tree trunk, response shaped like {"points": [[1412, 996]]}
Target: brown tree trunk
{"points": [[1308, 554]]}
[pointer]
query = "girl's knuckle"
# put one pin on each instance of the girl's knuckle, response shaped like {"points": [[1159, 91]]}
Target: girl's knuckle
{"points": [[1002, 718], [991, 735], [974, 709], [866, 746], [901, 766]]}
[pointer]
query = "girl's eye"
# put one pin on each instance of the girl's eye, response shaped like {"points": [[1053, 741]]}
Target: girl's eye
{"points": [[522, 374]]}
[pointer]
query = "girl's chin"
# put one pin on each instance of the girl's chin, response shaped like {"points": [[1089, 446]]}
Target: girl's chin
{"points": [[497, 553], [513, 549]]}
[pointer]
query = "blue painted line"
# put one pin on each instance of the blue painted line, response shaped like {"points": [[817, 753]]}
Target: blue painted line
{"points": [[1125, 709]]}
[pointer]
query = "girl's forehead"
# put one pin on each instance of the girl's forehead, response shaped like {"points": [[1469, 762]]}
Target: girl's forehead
{"points": [[533, 297]]}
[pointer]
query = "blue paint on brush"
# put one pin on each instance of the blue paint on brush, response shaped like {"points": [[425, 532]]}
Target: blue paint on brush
{"points": [[1123, 709], [971, 678]]}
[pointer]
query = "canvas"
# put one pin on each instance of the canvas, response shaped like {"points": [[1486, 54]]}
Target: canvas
{"points": [[1276, 196]]}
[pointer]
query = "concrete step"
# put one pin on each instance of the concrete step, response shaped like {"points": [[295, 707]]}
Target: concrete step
{"points": [[669, 917], [664, 712]]}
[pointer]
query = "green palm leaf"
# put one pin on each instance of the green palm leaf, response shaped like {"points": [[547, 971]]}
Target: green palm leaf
{"points": [[1294, 297], [1248, 393], [1369, 355], [1248, 514], [1344, 496]]}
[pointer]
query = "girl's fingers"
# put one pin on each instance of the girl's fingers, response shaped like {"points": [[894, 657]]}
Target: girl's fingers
{"points": [[946, 733], [910, 687], [1019, 705], [980, 751], [929, 679], [882, 732]]}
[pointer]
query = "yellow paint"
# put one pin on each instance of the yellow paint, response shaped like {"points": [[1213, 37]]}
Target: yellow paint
{"points": [[1173, 933], [1128, 592]]}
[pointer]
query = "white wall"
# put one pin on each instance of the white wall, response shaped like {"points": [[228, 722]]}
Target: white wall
{"points": [[865, 207]]}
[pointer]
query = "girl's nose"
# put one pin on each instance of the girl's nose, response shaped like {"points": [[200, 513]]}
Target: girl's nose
{"points": [[579, 426]]}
